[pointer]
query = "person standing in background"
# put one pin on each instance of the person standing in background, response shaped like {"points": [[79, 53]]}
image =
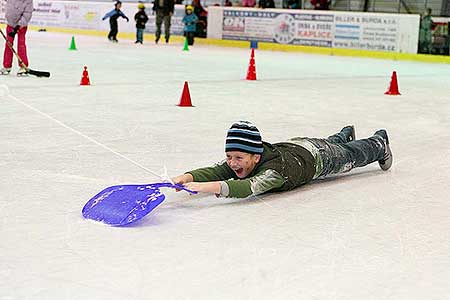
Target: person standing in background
{"points": [[266, 4], [18, 14], [425, 32], [190, 24], [164, 11], [113, 16], [248, 3], [202, 16], [293, 4], [141, 19], [321, 4]]}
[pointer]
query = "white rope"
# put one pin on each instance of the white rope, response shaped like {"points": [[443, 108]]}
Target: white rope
{"points": [[164, 176]]}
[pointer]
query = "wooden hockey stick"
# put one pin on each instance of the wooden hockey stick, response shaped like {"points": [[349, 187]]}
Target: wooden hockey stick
{"points": [[21, 63]]}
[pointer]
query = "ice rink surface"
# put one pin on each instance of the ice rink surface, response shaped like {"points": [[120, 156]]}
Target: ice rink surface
{"points": [[366, 235]]}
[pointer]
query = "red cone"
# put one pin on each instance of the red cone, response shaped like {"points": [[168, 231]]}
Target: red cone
{"points": [[85, 78], [251, 73], [186, 96], [393, 87]]}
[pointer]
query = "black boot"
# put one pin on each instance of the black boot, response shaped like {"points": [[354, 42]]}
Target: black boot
{"points": [[386, 162], [349, 132]]}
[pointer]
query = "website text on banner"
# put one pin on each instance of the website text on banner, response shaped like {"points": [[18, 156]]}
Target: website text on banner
{"points": [[363, 31]]}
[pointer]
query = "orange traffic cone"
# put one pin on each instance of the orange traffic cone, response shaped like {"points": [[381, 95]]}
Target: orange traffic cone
{"points": [[85, 78], [393, 87], [251, 73], [185, 96]]}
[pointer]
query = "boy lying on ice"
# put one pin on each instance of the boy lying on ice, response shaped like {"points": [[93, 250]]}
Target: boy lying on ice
{"points": [[254, 167]]}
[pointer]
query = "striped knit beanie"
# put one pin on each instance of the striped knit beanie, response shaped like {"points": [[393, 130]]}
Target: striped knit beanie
{"points": [[244, 136]]}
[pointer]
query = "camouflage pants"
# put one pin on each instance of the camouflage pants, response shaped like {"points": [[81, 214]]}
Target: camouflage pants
{"points": [[160, 18], [336, 155]]}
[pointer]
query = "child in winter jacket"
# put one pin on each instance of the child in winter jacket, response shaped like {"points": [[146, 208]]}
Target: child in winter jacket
{"points": [[141, 19], [113, 16], [254, 167], [190, 20], [18, 14]]}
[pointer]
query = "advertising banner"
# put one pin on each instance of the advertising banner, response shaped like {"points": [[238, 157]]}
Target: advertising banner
{"points": [[283, 28], [367, 32], [378, 32], [68, 14]]}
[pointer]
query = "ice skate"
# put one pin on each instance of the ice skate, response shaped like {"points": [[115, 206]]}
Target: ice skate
{"points": [[5, 71], [22, 72], [386, 162]]}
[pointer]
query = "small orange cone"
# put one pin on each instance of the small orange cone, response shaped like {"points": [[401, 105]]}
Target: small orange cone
{"points": [[85, 78], [186, 96], [251, 73], [393, 87]]}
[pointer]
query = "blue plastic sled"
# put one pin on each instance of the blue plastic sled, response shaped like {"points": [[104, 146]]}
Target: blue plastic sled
{"points": [[124, 204]]}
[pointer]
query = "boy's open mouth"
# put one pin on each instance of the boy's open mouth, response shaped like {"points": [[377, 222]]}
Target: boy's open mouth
{"points": [[239, 171]]}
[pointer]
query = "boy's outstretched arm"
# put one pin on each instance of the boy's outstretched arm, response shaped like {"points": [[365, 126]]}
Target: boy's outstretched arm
{"points": [[260, 183], [123, 15], [212, 187], [204, 187], [183, 179], [109, 15]]}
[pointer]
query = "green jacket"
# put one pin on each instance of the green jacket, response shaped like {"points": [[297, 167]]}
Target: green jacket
{"points": [[283, 166], [425, 31]]}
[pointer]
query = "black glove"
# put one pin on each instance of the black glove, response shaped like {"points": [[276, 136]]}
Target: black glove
{"points": [[128, 20], [14, 32]]}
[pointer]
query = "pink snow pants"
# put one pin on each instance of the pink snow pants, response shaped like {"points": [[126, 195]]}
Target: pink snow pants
{"points": [[21, 48]]}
